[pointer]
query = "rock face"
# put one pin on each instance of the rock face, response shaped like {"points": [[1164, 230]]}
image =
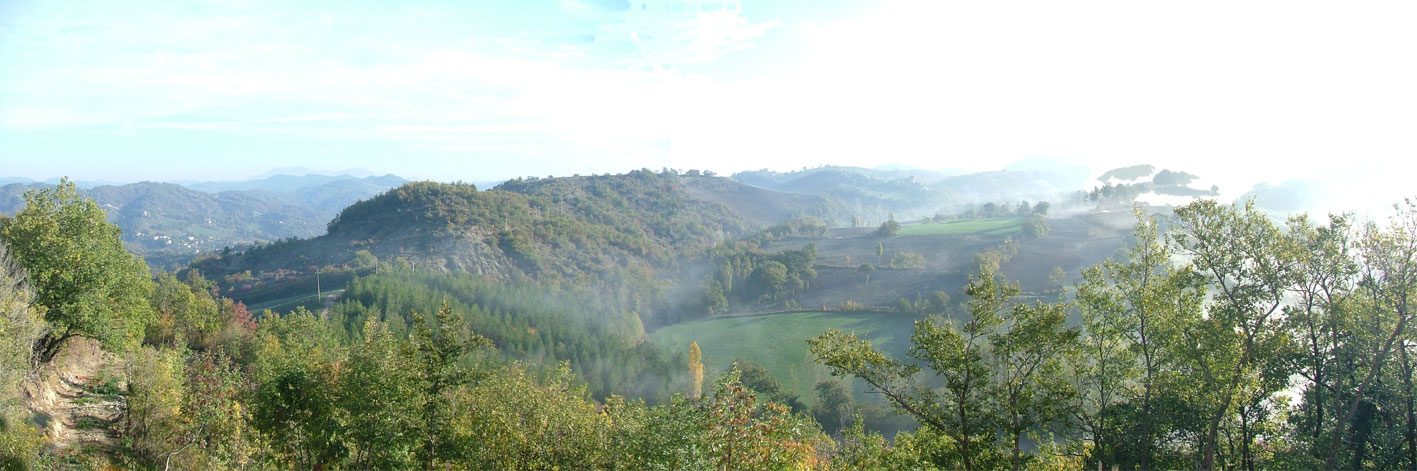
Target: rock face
{"points": [[68, 398]]}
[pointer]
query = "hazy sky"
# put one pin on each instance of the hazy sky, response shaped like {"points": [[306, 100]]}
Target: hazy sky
{"points": [[1237, 92]]}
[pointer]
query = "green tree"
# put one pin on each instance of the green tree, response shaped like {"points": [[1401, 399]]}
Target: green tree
{"points": [[771, 280], [757, 378], [295, 401], [365, 260], [1030, 385], [1057, 280], [939, 303], [88, 284], [440, 352], [1389, 279], [834, 408], [185, 313], [1036, 227], [907, 260], [888, 229], [1023, 210], [379, 392], [1130, 311], [714, 300], [1319, 318], [155, 394], [513, 420], [963, 409], [1250, 264]]}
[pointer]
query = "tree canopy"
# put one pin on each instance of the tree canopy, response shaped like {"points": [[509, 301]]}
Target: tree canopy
{"points": [[88, 284]]}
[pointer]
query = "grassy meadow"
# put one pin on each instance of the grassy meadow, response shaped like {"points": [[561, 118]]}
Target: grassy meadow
{"points": [[778, 342]]}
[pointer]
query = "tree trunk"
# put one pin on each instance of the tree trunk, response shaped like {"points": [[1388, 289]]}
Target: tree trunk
{"points": [[1213, 435], [1246, 460], [1411, 433], [1018, 459], [48, 346], [1378, 358]]}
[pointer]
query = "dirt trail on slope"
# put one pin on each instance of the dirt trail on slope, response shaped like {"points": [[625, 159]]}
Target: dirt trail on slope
{"points": [[74, 405]]}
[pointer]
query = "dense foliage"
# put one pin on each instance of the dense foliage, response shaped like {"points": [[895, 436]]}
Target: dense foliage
{"points": [[603, 344], [87, 283], [1223, 340], [1174, 365]]}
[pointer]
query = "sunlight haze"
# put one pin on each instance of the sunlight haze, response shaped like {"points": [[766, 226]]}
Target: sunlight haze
{"points": [[1238, 93]]}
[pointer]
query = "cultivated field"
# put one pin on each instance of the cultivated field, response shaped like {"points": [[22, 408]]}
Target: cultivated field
{"points": [[990, 226]]}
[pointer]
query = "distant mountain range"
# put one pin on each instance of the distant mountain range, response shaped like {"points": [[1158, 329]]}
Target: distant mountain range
{"points": [[877, 193], [168, 223]]}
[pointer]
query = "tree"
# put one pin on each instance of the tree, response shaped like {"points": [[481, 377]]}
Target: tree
{"points": [[866, 268], [516, 421], [1319, 318], [888, 229], [757, 378], [771, 279], [714, 300], [834, 408], [1024, 210], [88, 284], [185, 313], [1030, 389], [296, 396], [379, 391], [696, 371], [1035, 227], [1131, 310], [1056, 280], [155, 411], [939, 303], [439, 355], [1251, 265], [365, 260], [907, 260], [963, 409], [1389, 277], [989, 210]]}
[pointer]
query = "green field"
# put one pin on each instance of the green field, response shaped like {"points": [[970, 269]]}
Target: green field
{"points": [[991, 226], [778, 342]]}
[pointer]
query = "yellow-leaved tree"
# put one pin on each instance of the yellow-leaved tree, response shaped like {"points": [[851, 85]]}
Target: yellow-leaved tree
{"points": [[696, 371]]}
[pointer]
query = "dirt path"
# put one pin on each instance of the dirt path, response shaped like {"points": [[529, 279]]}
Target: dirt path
{"points": [[76, 400]]}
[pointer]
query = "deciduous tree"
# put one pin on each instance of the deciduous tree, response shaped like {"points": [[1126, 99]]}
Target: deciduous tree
{"points": [[88, 284]]}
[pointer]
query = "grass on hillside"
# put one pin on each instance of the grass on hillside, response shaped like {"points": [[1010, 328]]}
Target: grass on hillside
{"points": [[990, 226], [778, 342]]}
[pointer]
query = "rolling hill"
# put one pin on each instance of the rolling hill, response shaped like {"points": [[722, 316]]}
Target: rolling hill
{"points": [[554, 229]]}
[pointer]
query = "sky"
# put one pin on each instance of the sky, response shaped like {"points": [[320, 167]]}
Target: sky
{"points": [[475, 90]]}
